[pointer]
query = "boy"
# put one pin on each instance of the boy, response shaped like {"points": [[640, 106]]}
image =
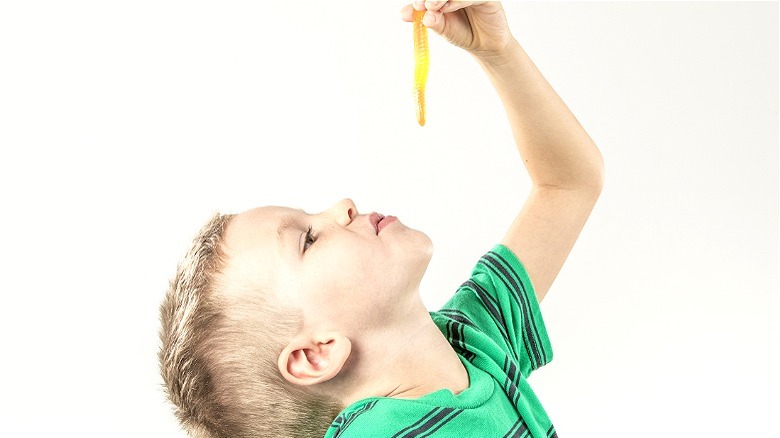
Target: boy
{"points": [[283, 323]]}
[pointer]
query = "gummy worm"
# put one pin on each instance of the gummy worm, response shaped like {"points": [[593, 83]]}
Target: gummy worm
{"points": [[420, 35]]}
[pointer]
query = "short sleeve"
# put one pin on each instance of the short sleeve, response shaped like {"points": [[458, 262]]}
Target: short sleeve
{"points": [[499, 302]]}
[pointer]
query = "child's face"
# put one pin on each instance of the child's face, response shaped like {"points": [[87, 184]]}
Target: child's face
{"points": [[348, 277]]}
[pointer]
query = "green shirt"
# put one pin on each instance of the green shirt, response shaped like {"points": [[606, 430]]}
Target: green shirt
{"points": [[495, 325]]}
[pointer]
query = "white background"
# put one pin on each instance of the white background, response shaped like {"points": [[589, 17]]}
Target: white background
{"points": [[125, 125]]}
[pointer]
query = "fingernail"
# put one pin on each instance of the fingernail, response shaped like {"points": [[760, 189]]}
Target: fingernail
{"points": [[427, 18]]}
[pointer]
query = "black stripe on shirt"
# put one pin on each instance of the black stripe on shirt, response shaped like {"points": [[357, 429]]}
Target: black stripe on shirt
{"points": [[493, 262], [468, 354], [532, 341], [510, 369], [449, 418], [417, 423], [511, 390], [551, 433], [456, 336], [457, 315], [491, 306], [520, 286], [523, 336], [517, 430], [453, 335], [433, 424], [342, 423], [461, 336]]}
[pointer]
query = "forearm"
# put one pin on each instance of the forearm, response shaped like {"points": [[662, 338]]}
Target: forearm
{"points": [[555, 149]]}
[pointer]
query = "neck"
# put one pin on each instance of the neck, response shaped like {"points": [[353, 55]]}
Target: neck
{"points": [[408, 359]]}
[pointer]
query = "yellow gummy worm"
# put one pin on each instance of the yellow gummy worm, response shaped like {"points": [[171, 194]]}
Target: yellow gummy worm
{"points": [[421, 60]]}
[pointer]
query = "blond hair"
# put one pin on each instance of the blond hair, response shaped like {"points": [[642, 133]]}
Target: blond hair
{"points": [[218, 355]]}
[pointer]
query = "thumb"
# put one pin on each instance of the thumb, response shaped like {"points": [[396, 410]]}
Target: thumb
{"points": [[434, 20]]}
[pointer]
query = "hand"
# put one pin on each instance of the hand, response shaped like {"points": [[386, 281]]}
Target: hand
{"points": [[477, 27]]}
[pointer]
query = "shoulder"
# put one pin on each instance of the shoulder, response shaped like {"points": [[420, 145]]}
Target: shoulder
{"points": [[497, 273], [371, 417], [380, 417]]}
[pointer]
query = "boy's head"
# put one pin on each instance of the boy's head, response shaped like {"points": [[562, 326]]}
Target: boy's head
{"points": [[268, 306]]}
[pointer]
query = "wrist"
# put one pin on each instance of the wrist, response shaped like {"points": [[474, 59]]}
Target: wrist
{"points": [[496, 58]]}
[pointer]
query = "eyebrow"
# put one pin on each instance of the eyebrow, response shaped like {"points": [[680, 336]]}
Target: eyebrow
{"points": [[286, 223]]}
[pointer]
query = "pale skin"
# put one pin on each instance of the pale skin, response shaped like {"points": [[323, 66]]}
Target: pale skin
{"points": [[366, 331]]}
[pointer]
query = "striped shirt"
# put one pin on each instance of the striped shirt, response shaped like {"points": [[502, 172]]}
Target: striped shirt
{"points": [[495, 326]]}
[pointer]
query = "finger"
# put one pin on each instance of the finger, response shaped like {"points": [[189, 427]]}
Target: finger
{"points": [[407, 13], [454, 6], [434, 6], [434, 20]]}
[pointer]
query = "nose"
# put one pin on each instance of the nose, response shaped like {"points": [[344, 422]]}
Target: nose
{"points": [[343, 211]]}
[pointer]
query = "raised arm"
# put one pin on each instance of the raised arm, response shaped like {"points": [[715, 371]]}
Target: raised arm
{"points": [[564, 164]]}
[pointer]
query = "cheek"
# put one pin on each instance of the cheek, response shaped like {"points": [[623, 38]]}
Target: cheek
{"points": [[350, 287], [354, 279], [335, 274]]}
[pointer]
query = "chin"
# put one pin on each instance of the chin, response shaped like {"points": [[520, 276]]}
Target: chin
{"points": [[423, 249], [416, 250]]}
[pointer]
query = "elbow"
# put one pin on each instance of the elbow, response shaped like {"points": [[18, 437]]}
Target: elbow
{"points": [[598, 173], [592, 177], [586, 176]]}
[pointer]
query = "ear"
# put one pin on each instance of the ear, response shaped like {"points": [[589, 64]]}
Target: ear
{"points": [[308, 360]]}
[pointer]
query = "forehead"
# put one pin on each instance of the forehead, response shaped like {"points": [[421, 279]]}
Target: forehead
{"points": [[252, 243], [256, 227]]}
